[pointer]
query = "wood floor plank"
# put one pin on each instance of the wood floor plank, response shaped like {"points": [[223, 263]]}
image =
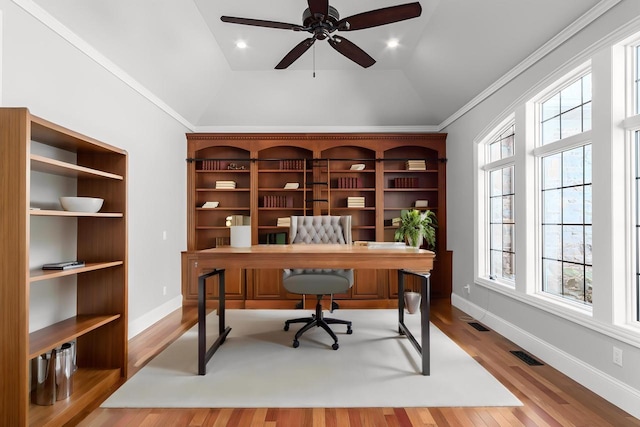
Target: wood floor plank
{"points": [[549, 398]]}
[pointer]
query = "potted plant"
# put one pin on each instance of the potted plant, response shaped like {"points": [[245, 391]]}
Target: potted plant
{"points": [[415, 226]]}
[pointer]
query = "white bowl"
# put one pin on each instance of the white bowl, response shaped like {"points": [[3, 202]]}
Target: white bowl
{"points": [[81, 204]]}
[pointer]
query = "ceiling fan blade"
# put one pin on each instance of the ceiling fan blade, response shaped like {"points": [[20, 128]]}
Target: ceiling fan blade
{"points": [[378, 17], [261, 23], [351, 51], [320, 7], [295, 53]]}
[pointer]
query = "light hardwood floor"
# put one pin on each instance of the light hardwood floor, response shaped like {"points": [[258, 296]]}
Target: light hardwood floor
{"points": [[549, 397]]}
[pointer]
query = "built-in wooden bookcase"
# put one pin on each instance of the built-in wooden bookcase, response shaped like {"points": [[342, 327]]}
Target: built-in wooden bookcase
{"points": [[323, 166], [99, 326], [277, 167]]}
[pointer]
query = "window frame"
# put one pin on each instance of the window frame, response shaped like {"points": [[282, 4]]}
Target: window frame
{"points": [[541, 151], [483, 267]]}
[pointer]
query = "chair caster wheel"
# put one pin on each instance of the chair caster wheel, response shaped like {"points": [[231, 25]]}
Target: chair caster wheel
{"points": [[335, 346], [296, 343], [286, 326], [349, 331]]}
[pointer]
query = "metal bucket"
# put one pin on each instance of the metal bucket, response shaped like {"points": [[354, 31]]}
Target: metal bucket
{"points": [[65, 367], [43, 379]]}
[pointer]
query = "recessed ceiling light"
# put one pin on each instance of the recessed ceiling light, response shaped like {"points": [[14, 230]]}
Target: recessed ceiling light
{"points": [[240, 44], [393, 43]]}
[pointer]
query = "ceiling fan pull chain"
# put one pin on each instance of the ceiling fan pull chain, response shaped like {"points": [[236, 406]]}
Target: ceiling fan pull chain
{"points": [[314, 61]]}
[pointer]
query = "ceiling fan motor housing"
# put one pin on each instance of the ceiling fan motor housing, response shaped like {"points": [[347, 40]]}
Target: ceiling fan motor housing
{"points": [[322, 25]]}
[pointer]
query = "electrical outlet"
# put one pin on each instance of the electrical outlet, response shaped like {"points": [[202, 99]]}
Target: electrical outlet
{"points": [[467, 288], [164, 290], [617, 356]]}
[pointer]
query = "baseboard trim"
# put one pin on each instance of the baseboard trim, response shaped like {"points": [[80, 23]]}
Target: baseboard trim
{"points": [[604, 385], [143, 322]]}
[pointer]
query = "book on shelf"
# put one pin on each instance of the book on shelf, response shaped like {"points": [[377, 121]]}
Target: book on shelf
{"points": [[274, 201], [405, 182], [357, 167], [416, 165], [222, 241], [292, 164], [225, 184], [355, 202], [421, 203], [210, 205], [279, 238], [65, 265], [284, 222], [291, 185], [349, 182], [237, 220]]}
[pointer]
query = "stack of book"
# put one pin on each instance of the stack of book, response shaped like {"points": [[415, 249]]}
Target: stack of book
{"points": [[225, 184], [284, 222], [395, 222], [355, 202], [416, 165], [291, 185]]}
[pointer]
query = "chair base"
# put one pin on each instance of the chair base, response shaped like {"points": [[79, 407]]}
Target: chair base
{"points": [[317, 320]]}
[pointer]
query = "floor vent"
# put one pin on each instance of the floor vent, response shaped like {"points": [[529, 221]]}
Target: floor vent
{"points": [[526, 358], [478, 326]]}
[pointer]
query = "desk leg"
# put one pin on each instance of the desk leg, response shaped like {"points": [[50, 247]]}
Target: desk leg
{"points": [[400, 300], [425, 315], [425, 312], [205, 355]]}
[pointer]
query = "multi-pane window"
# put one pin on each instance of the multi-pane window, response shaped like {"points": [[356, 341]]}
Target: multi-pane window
{"points": [[567, 224], [501, 202], [568, 112], [502, 223], [502, 146]]}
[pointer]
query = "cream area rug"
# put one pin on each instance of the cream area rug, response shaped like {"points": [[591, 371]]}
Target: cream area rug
{"points": [[258, 367]]}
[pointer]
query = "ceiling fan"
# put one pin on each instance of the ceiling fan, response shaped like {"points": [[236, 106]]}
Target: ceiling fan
{"points": [[321, 20]]}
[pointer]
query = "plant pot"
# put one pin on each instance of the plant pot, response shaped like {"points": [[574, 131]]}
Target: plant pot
{"points": [[413, 243], [412, 301]]}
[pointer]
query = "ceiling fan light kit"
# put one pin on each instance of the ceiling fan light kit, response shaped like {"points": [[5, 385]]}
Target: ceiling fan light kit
{"points": [[321, 20]]}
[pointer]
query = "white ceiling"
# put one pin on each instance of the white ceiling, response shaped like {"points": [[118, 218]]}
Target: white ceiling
{"points": [[181, 52]]}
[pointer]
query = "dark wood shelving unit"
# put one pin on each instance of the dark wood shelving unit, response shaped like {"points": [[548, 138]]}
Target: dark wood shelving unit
{"points": [[321, 164]]}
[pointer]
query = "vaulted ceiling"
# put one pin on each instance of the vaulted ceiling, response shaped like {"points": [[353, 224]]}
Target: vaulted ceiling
{"points": [[187, 57]]}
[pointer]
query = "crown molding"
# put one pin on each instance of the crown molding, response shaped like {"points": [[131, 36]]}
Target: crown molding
{"points": [[63, 31], [591, 15], [317, 129]]}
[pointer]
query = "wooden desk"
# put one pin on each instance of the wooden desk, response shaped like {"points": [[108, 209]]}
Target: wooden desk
{"points": [[210, 262]]}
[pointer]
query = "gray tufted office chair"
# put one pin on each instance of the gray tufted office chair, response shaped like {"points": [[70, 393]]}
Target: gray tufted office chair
{"points": [[319, 282]]}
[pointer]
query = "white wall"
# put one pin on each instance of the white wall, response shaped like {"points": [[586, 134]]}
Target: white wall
{"points": [[45, 73], [581, 352]]}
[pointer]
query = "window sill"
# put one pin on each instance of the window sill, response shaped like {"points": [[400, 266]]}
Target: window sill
{"points": [[583, 316]]}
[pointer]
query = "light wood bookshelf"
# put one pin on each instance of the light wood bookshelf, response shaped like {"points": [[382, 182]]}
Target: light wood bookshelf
{"points": [[99, 326]]}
